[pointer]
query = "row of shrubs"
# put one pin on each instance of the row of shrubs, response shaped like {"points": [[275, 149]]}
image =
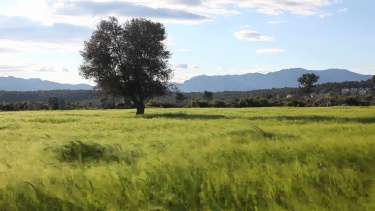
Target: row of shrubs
{"points": [[31, 106], [296, 101]]}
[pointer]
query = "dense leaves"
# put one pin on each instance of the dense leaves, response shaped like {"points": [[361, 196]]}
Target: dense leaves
{"points": [[307, 82], [128, 60], [208, 95]]}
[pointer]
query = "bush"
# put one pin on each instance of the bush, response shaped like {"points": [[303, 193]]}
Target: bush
{"points": [[203, 104], [193, 103], [218, 104]]}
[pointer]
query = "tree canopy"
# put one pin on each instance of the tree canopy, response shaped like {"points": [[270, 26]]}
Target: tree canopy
{"points": [[307, 82], [180, 97], [129, 60], [208, 95]]}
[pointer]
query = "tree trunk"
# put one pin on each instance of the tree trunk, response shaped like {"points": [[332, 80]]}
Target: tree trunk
{"points": [[139, 104], [140, 109]]}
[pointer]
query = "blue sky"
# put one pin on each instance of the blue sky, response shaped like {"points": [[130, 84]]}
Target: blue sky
{"points": [[42, 38]]}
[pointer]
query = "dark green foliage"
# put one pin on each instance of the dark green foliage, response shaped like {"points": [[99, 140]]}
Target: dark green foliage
{"points": [[42, 96], [203, 104], [307, 82], [208, 95], [193, 103], [55, 103], [295, 102], [218, 104], [77, 151], [328, 94], [30, 106], [180, 97], [128, 61]]}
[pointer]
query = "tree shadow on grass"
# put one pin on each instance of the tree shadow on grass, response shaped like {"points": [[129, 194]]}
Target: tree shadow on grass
{"points": [[184, 116], [12, 126], [313, 118], [84, 153], [4, 127], [35, 199]]}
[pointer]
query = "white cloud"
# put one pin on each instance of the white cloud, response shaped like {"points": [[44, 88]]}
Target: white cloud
{"points": [[181, 77], [270, 11], [215, 9], [24, 66], [251, 35], [24, 29], [12, 68], [184, 66], [45, 69], [304, 12], [194, 67], [257, 69], [123, 9], [36, 10], [270, 50], [8, 50], [187, 2], [277, 7], [180, 66], [364, 71], [252, 69], [169, 41], [244, 26], [89, 12], [275, 22], [343, 10]]}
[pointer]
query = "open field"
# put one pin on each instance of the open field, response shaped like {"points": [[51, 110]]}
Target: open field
{"points": [[189, 159]]}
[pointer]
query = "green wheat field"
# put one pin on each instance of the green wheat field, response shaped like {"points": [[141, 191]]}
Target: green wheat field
{"points": [[189, 159]]}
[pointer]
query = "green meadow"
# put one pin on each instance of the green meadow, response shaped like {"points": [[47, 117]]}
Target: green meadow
{"points": [[189, 159]]}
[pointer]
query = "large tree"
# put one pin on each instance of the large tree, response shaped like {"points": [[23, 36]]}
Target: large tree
{"points": [[307, 82], [129, 60]]}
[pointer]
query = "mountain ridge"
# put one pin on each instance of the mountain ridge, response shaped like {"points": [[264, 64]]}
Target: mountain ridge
{"points": [[11, 83], [245, 82], [253, 81]]}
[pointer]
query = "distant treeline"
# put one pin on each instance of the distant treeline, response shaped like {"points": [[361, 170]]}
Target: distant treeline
{"points": [[329, 94], [43, 96]]}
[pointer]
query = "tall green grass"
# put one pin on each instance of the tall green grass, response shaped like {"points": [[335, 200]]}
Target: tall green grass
{"points": [[189, 159]]}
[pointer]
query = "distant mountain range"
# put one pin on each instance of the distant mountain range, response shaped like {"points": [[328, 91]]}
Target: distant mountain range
{"points": [[245, 82], [253, 81], [34, 84]]}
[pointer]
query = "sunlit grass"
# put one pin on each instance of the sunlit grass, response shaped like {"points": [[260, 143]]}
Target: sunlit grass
{"points": [[189, 159]]}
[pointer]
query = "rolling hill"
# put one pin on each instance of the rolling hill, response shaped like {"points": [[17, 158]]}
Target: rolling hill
{"points": [[245, 82], [254, 81], [34, 84]]}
